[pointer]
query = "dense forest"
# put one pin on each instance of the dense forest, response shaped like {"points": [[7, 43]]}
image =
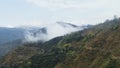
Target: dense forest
{"points": [[94, 47]]}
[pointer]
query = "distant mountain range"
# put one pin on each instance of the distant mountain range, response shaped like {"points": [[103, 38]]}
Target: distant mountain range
{"points": [[10, 34]]}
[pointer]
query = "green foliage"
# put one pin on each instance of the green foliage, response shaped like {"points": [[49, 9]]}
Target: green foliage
{"points": [[115, 27], [88, 37], [112, 64]]}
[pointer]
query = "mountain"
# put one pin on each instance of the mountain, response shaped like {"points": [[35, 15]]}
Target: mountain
{"points": [[64, 24], [10, 34], [5, 48], [94, 47], [11, 38]]}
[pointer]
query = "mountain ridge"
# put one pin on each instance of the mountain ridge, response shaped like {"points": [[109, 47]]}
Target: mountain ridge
{"points": [[30, 34]]}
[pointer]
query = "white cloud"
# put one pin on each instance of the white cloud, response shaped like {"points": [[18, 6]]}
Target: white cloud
{"points": [[53, 30], [110, 4], [53, 3]]}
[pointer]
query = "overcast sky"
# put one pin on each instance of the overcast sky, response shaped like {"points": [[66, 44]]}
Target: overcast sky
{"points": [[40, 12]]}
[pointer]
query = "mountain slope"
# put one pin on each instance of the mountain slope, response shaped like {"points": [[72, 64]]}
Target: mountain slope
{"points": [[10, 34], [11, 38], [5, 48], [95, 47]]}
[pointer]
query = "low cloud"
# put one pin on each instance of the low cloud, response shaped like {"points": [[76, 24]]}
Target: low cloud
{"points": [[29, 37], [53, 30]]}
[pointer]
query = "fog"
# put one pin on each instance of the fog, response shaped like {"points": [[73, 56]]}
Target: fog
{"points": [[52, 30]]}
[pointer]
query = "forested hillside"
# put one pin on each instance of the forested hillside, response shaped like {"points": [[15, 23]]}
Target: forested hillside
{"points": [[94, 47]]}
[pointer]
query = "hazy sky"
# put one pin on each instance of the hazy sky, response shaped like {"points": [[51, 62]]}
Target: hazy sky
{"points": [[40, 12]]}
